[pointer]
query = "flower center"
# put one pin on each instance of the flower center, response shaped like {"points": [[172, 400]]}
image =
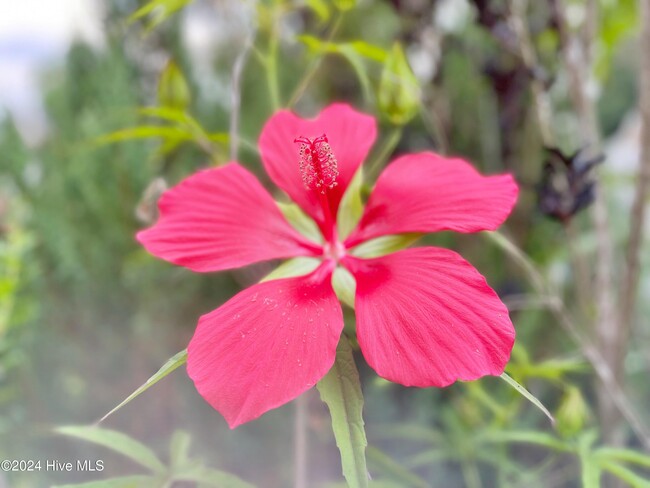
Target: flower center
{"points": [[334, 251], [318, 165], [319, 170]]}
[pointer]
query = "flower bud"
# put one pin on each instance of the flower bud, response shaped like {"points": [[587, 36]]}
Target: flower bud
{"points": [[573, 413], [399, 91], [173, 89]]}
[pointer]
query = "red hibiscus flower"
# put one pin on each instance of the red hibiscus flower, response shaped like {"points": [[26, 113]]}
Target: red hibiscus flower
{"points": [[425, 316]]}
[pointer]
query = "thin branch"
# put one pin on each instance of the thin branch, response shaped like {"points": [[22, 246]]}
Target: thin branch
{"points": [[525, 301], [581, 279], [389, 144], [300, 442], [589, 351], [271, 58], [542, 104], [577, 59], [433, 123], [630, 283], [315, 64], [235, 92]]}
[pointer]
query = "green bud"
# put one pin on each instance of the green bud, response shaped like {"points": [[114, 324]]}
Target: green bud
{"points": [[399, 91], [572, 413], [173, 90]]}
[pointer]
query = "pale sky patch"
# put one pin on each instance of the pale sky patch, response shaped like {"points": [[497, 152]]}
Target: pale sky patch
{"points": [[35, 35]]}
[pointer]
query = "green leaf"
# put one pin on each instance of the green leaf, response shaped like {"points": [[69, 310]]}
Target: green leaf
{"points": [[320, 8], [625, 455], [145, 132], [172, 363], [301, 221], [627, 475], [173, 89], [528, 395], [345, 5], [409, 432], [179, 448], [370, 51], [314, 44], [392, 468], [169, 114], [118, 442], [526, 437], [356, 61], [351, 207], [348, 51], [158, 11], [340, 389], [365, 49], [591, 472], [211, 477], [220, 137], [121, 482], [344, 286], [428, 457], [293, 267], [619, 20], [552, 369], [384, 245]]}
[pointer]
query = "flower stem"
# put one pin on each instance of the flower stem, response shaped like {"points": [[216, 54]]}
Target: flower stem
{"points": [[300, 443], [340, 389], [386, 150], [314, 65], [271, 61]]}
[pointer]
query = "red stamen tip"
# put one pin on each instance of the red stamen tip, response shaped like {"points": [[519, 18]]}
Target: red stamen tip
{"points": [[318, 164]]}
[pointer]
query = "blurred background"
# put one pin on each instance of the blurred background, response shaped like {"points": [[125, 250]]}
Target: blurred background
{"points": [[539, 89]]}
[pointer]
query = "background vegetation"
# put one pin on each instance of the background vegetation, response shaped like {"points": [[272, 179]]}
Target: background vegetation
{"points": [[86, 316]]}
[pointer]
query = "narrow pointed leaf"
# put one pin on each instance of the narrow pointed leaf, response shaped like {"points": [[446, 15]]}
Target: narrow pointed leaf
{"points": [[172, 364], [395, 470], [158, 11], [381, 246], [175, 115], [527, 437], [591, 472], [179, 448], [320, 8], [293, 267], [623, 455], [627, 475], [117, 442], [120, 482], [340, 389], [351, 208], [344, 286], [145, 132], [300, 221], [212, 477], [528, 395]]}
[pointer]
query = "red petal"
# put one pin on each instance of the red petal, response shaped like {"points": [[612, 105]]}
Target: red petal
{"points": [[221, 218], [426, 317], [427, 193], [266, 345], [350, 134]]}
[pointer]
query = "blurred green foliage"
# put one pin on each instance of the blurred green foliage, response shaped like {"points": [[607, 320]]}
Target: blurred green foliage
{"points": [[86, 315]]}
